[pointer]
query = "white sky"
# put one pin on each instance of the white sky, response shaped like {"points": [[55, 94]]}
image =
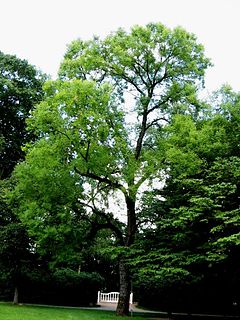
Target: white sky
{"points": [[39, 30]]}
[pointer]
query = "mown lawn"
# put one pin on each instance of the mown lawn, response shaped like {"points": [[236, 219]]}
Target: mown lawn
{"points": [[22, 312]]}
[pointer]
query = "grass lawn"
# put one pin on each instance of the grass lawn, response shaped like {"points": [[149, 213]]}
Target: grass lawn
{"points": [[22, 312]]}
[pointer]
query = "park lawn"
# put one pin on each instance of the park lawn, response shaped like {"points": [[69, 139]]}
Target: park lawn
{"points": [[23, 312]]}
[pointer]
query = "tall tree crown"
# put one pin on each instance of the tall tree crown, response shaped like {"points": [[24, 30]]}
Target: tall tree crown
{"points": [[84, 111], [160, 68]]}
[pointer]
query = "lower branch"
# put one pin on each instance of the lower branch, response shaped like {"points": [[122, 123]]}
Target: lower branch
{"points": [[109, 224]]}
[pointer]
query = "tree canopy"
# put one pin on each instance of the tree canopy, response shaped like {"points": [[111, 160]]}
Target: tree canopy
{"points": [[20, 90], [196, 239]]}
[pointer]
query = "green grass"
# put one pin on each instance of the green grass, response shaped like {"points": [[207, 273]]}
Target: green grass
{"points": [[23, 312]]}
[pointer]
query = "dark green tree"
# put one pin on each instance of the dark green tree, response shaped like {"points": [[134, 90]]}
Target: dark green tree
{"points": [[196, 215], [20, 89]]}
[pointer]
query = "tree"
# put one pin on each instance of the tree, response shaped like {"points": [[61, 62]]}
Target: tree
{"points": [[210, 186], [16, 256], [196, 238], [101, 130], [20, 90]]}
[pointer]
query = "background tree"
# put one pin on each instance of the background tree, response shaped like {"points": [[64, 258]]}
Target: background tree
{"points": [[20, 89], [196, 240], [16, 256], [101, 129]]}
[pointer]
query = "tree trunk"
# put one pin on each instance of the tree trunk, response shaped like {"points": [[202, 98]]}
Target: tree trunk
{"points": [[123, 302], [131, 219], [124, 296], [15, 298]]}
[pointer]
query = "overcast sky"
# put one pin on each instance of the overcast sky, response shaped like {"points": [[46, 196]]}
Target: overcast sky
{"points": [[39, 30]]}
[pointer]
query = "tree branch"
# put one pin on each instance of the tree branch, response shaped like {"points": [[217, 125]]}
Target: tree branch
{"points": [[96, 226], [155, 121], [87, 151], [138, 72], [122, 75], [158, 105], [113, 184], [141, 136], [161, 79]]}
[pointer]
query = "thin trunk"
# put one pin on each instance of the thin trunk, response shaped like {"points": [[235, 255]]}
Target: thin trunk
{"points": [[123, 302], [141, 135], [15, 298]]}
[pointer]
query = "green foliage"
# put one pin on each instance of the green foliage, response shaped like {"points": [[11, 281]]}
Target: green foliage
{"points": [[16, 255], [14, 252], [47, 177], [194, 232], [20, 90], [61, 287], [145, 50], [82, 120], [68, 277]]}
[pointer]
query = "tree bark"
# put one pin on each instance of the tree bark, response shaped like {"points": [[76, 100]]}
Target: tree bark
{"points": [[15, 298], [123, 302], [125, 285], [131, 220]]}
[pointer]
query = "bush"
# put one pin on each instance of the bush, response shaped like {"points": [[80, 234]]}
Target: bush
{"points": [[210, 297], [63, 287]]}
